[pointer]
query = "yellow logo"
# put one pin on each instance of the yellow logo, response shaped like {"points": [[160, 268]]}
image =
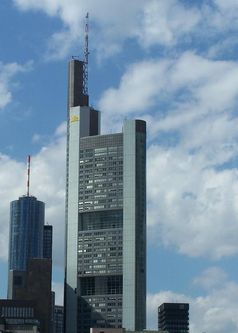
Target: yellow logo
{"points": [[73, 119]]}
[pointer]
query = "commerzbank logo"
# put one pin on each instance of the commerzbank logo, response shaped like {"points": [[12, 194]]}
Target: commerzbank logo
{"points": [[73, 119]]}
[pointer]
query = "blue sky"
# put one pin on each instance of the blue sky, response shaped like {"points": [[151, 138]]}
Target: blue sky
{"points": [[170, 62]]}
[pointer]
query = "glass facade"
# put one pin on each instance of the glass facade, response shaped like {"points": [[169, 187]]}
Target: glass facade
{"points": [[47, 241], [27, 216]]}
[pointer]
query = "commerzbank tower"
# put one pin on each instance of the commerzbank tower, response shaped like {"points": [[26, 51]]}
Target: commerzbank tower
{"points": [[105, 270]]}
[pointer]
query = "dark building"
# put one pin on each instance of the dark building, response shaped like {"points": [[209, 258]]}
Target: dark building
{"points": [[47, 241], [18, 315], [105, 282], [58, 319], [173, 317], [34, 285]]}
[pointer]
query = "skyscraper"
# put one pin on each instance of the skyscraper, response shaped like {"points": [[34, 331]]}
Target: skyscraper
{"points": [[27, 216], [29, 239], [105, 281], [174, 317]]}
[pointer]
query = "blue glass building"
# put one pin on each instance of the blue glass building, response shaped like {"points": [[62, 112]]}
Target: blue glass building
{"points": [[27, 217]]}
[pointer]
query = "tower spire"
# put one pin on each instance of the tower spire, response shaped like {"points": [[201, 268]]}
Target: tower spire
{"points": [[28, 175], [86, 54]]}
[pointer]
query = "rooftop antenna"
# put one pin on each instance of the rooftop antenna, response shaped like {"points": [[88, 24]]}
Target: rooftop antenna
{"points": [[86, 54], [28, 174]]}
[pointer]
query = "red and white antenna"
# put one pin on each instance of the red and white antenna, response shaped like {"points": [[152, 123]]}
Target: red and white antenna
{"points": [[86, 54], [28, 174]]}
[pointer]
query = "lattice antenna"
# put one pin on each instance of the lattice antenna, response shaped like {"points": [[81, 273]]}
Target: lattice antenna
{"points": [[86, 54], [28, 175]]}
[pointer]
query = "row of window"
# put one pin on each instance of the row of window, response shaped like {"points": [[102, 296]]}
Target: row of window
{"points": [[17, 312]]}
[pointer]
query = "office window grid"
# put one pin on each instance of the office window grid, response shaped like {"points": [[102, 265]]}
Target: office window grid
{"points": [[100, 252], [101, 173], [17, 312], [106, 312], [100, 232]]}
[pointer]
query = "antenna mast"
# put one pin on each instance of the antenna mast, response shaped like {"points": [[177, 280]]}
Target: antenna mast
{"points": [[28, 174], [86, 54]]}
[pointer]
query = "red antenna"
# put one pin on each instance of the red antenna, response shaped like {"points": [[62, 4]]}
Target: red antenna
{"points": [[86, 54], [28, 173]]}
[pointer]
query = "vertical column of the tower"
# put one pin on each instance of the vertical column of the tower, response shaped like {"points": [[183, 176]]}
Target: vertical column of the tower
{"points": [[82, 121], [134, 225]]}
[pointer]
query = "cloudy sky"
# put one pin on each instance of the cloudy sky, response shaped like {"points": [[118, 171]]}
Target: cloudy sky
{"points": [[170, 62]]}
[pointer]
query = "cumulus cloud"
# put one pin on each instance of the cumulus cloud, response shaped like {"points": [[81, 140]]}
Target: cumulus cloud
{"points": [[185, 88], [215, 312], [111, 22], [190, 105], [8, 72], [155, 300], [192, 183], [148, 22], [211, 278], [47, 184], [164, 22]]}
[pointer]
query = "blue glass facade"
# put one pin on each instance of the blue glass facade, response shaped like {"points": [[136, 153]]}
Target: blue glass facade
{"points": [[27, 216]]}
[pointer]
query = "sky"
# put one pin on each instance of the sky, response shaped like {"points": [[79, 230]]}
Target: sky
{"points": [[172, 63]]}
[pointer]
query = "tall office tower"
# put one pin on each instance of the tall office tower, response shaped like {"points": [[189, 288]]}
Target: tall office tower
{"points": [[29, 238], [174, 317], [47, 241], [27, 216], [105, 281]]}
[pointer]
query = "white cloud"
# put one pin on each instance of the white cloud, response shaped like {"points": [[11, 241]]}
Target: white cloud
{"points": [[47, 184], [149, 22], [155, 300], [112, 23], [8, 72], [164, 22], [211, 278], [191, 86], [191, 206], [192, 181], [192, 189], [215, 312], [138, 88]]}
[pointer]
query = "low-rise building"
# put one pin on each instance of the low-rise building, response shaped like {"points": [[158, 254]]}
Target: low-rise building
{"points": [[17, 316]]}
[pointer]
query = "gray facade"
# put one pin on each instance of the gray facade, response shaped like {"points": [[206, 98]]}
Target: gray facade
{"points": [[105, 282]]}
